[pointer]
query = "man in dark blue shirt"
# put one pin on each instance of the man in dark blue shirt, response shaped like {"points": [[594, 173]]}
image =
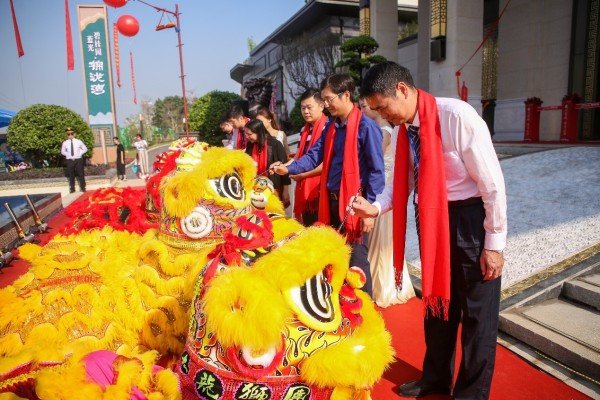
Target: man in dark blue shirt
{"points": [[350, 142]]}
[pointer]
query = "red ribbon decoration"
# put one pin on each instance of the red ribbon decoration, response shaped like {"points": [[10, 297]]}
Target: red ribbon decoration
{"points": [[464, 92], [17, 34], [70, 57], [116, 46], [132, 78]]}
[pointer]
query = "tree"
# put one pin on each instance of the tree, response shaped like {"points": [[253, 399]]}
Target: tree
{"points": [[309, 59], [168, 113], [357, 56], [132, 127], [37, 133], [205, 113], [296, 118]]}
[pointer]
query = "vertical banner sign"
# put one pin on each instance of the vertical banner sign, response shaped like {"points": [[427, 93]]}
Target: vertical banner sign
{"points": [[97, 72]]}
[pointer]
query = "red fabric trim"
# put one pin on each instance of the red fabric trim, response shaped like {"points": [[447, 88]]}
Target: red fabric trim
{"points": [[261, 156], [70, 57], [307, 190], [350, 175], [241, 138], [16, 28], [433, 208]]}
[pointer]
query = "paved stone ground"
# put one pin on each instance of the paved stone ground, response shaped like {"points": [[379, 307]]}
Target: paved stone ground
{"points": [[553, 207]]}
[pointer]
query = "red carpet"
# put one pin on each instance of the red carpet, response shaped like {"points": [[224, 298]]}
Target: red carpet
{"points": [[514, 378]]}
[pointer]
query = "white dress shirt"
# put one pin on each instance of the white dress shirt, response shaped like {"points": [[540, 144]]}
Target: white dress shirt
{"points": [[232, 143], [472, 167], [79, 149]]}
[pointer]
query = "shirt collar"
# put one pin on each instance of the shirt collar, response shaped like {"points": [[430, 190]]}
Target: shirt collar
{"points": [[415, 122], [338, 122]]}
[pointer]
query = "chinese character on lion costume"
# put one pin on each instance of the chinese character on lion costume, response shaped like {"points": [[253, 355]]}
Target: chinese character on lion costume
{"points": [[226, 299]]}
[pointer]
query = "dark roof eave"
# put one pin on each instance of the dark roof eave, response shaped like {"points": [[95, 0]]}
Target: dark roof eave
{"points": [[297, 22], [237, 73]]}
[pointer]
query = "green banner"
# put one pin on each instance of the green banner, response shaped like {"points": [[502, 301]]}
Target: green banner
{"points": [[96, 66]]}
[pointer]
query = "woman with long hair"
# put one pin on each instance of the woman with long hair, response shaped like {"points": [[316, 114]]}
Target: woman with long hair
{"points": [[265, 150], [269, 119]]}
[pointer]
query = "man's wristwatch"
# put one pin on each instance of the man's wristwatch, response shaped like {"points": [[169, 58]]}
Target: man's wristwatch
{"points": [[496, 251]]}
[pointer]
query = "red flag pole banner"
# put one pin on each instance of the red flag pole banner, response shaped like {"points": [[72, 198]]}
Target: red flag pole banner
{"points": [[117, 61], [132, 78], [70, 57], [17, 34]]}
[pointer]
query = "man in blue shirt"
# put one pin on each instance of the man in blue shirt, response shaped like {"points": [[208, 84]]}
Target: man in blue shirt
{"points": [[350, 143]]}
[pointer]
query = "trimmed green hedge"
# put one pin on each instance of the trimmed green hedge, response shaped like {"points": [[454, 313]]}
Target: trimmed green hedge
{"points": [[46, 173]]}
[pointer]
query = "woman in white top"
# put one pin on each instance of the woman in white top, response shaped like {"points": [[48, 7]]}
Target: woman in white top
{"points": [[142, 156], [381, 251], [269, 120]]}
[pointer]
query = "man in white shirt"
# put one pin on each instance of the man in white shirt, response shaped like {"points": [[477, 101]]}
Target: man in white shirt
{"points": [[238, 120], [449, 147], [73, 149]]}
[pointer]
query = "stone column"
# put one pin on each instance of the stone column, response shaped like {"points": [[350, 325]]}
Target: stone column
{"points": [[464, 32], [384, 27]]}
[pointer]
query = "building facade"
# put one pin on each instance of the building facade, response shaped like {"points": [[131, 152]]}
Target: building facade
{"points": [[498, 54], [319, 27]]}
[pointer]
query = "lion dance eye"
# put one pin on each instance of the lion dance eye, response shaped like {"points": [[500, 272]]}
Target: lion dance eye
{"points": [[229, 186]]}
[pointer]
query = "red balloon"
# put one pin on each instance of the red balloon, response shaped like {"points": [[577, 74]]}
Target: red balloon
{"points": [[128, 25], [116, 3]]}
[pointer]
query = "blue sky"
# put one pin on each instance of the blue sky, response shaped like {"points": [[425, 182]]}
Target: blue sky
{"points": [[214, 35]]}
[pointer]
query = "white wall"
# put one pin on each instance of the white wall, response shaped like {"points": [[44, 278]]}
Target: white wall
{"points": [[534, 39], [408, 56]]}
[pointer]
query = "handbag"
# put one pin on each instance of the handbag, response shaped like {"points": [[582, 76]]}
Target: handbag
{"points": [[135, 168]]}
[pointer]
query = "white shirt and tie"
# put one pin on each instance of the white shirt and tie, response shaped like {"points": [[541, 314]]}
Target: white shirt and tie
{"points": [[471, 164], [73, 149], [232, 143]]}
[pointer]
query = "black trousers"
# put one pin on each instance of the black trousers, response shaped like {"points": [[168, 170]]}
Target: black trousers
{"points": [[477, 302], [120, 168], [75, 168], [309, 218], [360, 251]]}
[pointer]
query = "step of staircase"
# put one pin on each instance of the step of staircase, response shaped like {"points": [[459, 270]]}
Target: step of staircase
{"points": [[562, 321], [560, 329], [585, 290]]}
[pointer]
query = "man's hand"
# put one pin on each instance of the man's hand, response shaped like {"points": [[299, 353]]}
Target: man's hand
{"points": [[491, 263], [278, 168], [362, 208], [367, 224], [298, 177]]}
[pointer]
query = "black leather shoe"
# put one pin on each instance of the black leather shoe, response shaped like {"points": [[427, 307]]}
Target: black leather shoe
{"points": [[419, 388]]}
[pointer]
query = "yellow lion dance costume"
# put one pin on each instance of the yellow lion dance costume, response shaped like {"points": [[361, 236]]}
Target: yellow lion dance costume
{"points": [[232, 298]]}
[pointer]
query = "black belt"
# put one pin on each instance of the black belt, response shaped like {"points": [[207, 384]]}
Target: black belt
{"points": [[466, 202], [334, 196]]}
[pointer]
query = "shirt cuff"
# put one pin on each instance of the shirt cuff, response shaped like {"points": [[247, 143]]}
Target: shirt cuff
{"points": [[376, 204], [495, 241]]}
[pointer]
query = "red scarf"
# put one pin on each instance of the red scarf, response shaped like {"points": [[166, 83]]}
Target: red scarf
{"points": [[307, 190], [241, 137], [433, 208], [261, 156], [350, 175]]}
